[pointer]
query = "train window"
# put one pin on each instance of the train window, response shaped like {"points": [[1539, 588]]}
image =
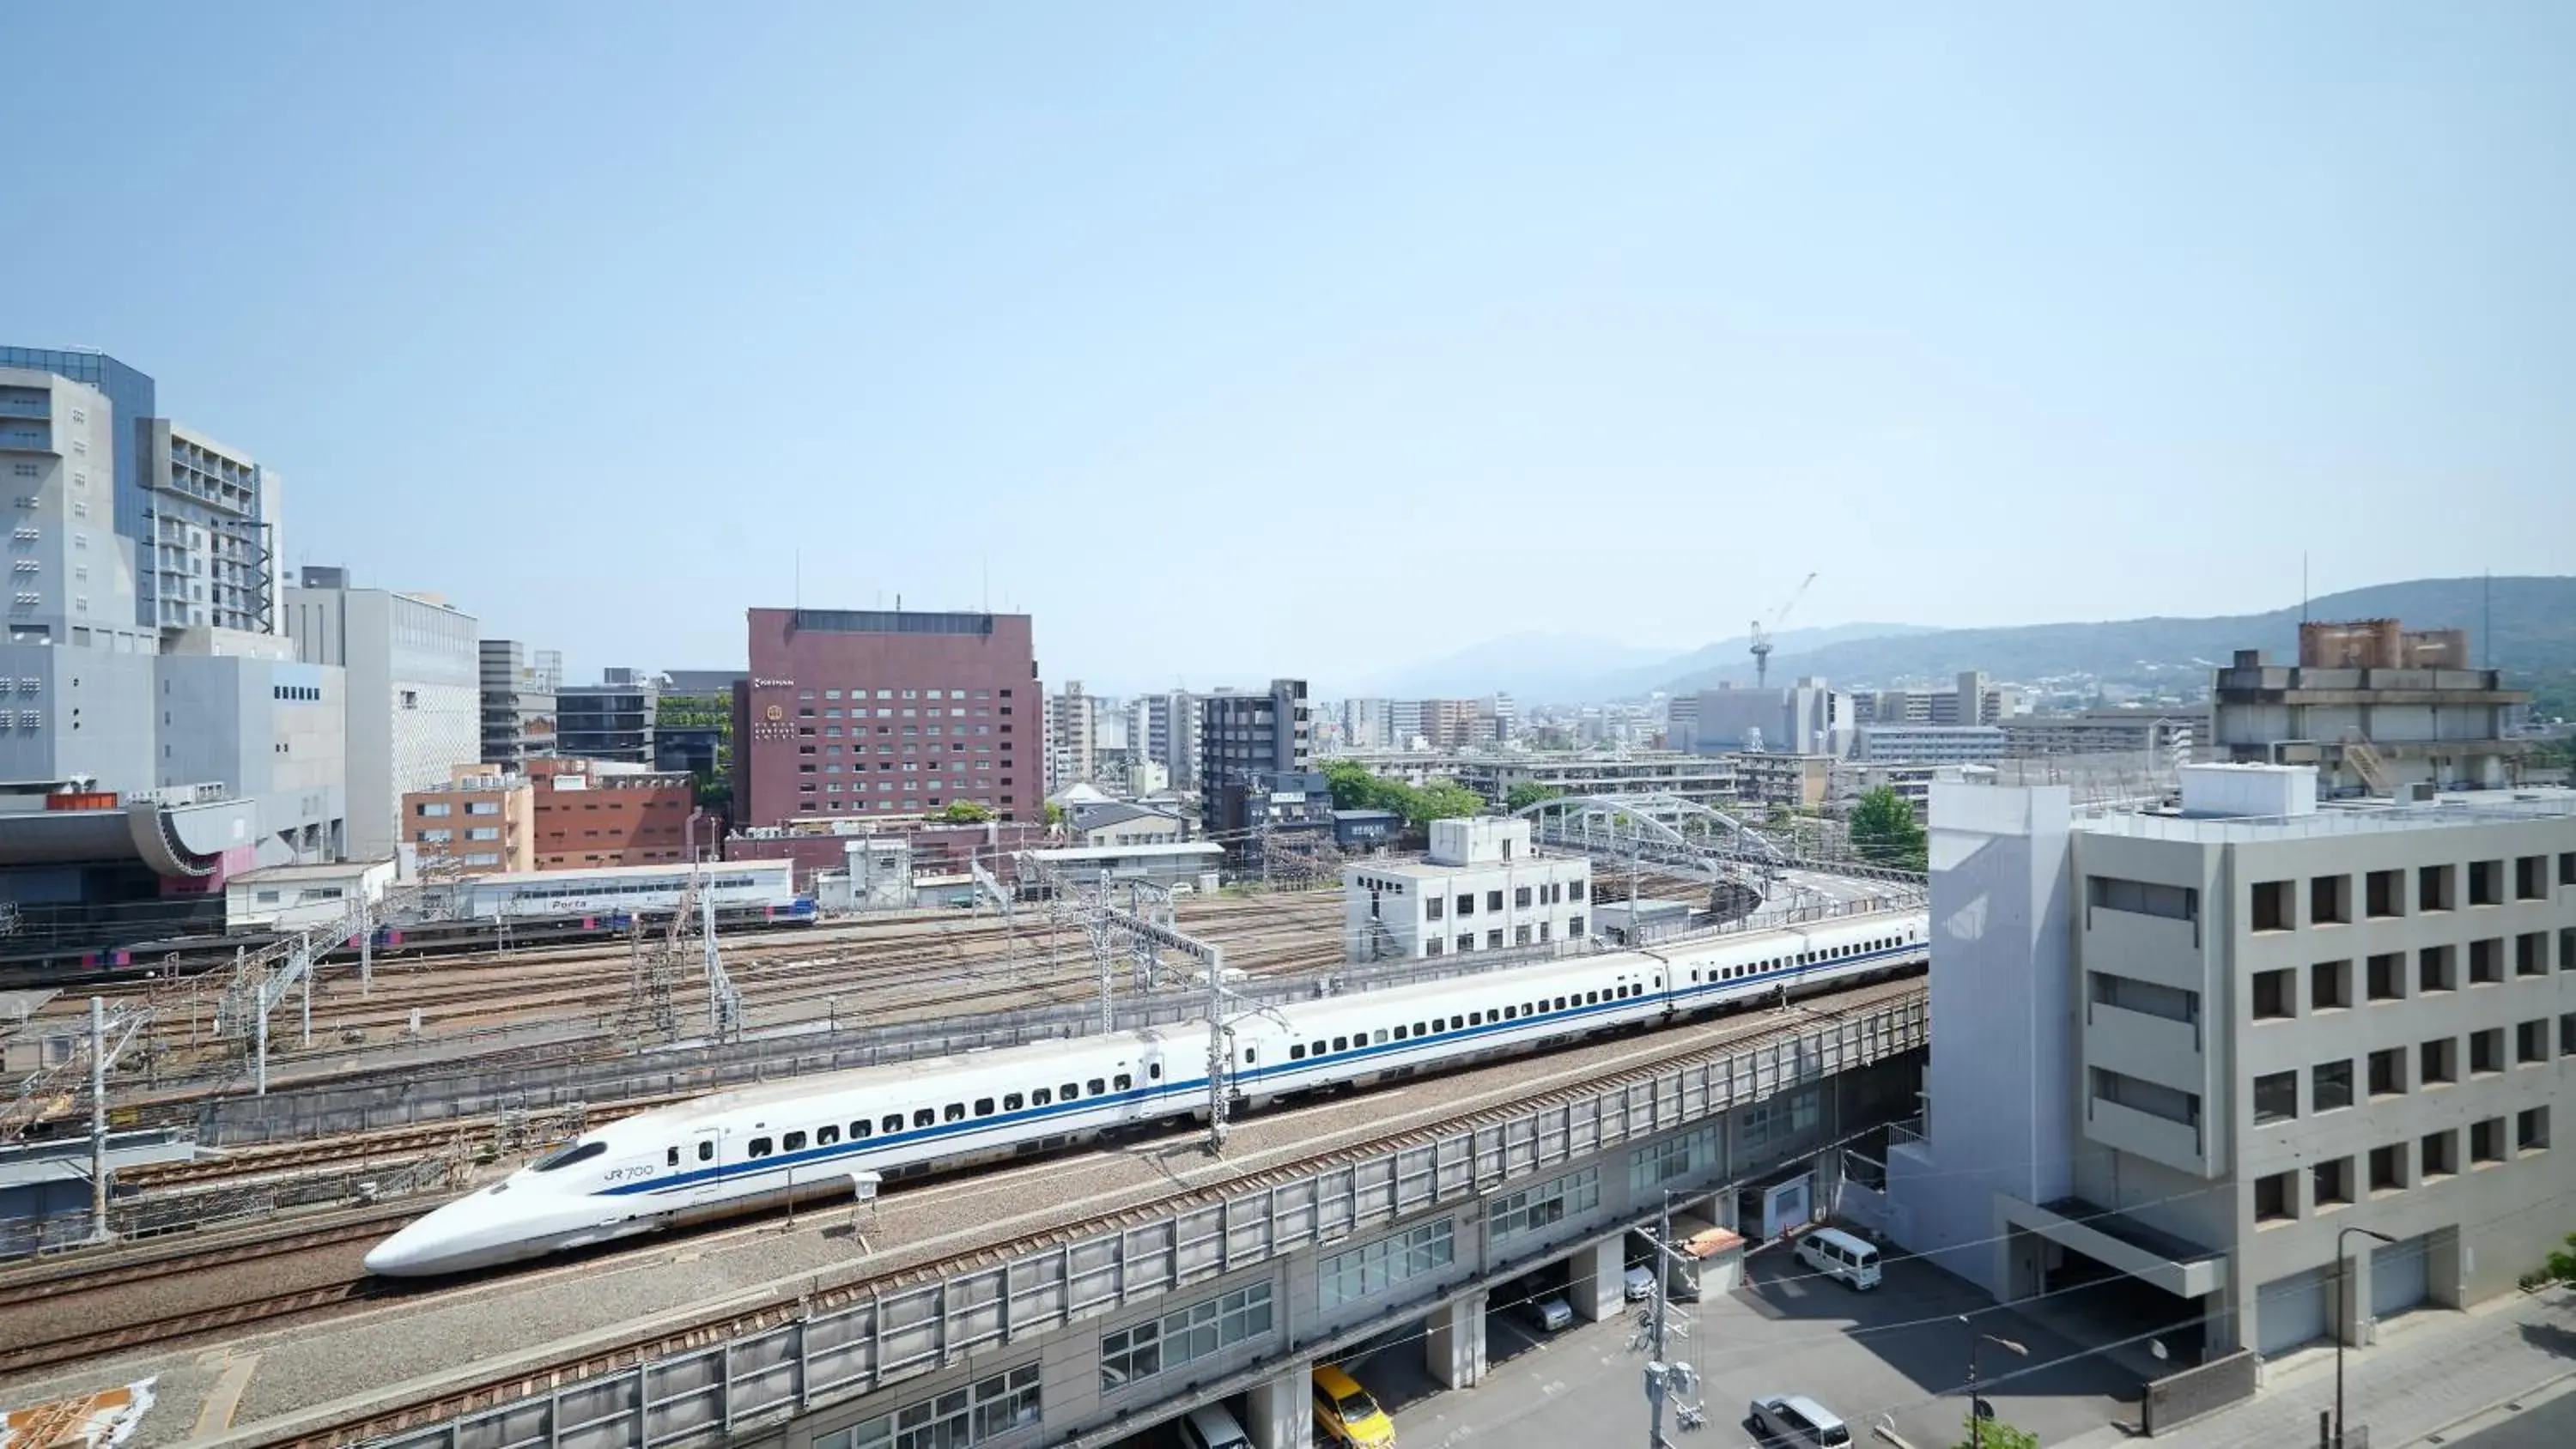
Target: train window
{"points": [[1560, 1003], [570, 1153], [1511, 1013], [671, 1158], [1154, 1071], [1125, 1081], [893, 1123], [1317, 1049], [1010, 1101], [826, 1136], [1095, 1088], [1041, 1097], [983, 1106], [795, 1142], [1069, 1092], [1381, 1036], [1296, 1051], [1417, 1030], [1475, 1018], [955, 1112], [1592, 998], [1400, 1033], [706, 1151], [759, 1148], [858, 1129], [924, 1117]]}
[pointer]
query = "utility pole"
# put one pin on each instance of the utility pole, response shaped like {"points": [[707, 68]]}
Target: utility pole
{"points": [[1666, 1380], [98, 1232]]}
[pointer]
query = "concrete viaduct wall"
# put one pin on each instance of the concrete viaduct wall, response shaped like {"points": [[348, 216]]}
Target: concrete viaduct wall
{"points": [[1013, 1341]]}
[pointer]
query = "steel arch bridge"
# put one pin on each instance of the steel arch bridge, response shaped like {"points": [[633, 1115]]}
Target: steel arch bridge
{"points": [[1664, 830]]}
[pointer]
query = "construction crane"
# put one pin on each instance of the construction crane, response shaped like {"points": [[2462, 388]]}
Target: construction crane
{"points": [[1762, 635]]}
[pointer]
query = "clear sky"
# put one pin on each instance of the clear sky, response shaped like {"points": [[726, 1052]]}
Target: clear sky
{"points": [[1234, 340]]}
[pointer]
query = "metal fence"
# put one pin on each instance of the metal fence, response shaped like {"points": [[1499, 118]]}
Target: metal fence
{"points": [[863, 1337]]}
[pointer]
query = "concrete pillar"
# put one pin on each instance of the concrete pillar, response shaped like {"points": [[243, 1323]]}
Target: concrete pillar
{"points": [[1599, 1289], [1453, 1342], [1279, 1413]]}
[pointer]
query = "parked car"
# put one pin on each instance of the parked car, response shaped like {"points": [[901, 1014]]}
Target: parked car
{"points": [[1547, 1315], [1795, 1419], [1346, 1414], [1641, 1283]]}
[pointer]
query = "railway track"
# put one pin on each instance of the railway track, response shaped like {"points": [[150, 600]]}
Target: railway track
{"points": [[808, 1298], [41, 1287], [175, 1328]]}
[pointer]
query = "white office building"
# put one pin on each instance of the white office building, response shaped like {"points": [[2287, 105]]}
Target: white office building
{"points": [[414, 689], [1482, 889], [2246, 1056], [1925, 744]]}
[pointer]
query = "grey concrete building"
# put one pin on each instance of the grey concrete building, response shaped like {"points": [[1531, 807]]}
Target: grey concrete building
{"points": [[518, 687], [1928, 744], [414, 692], [2375, 707], [1803, 718], [611, 720], [2293, 1068]]}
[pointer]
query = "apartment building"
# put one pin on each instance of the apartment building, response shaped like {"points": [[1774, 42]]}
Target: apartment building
{"points": [[1242, 736], [1482, 888], [482, 821], [611, 720], [1928, 744], [862, 712], [2249, 1053]]}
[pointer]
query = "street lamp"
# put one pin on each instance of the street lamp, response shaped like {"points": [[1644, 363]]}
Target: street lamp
{"points": [[1976, 1420], [2343, 1309]]}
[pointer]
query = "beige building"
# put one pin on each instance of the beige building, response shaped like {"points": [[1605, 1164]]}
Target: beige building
{"points": [[1800, 780], [2376, 708], [481, 822]]}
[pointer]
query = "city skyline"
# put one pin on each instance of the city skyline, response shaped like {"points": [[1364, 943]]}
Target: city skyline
{"points": [[1018, 300]]}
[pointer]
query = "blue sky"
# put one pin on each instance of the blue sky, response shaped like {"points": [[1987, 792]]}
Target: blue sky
{"points": [[1234, 341]]}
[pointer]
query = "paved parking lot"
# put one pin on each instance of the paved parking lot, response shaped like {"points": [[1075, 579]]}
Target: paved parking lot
{"points": [[1898, 1350]]}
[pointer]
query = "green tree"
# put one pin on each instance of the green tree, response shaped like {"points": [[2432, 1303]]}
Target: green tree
{"points": [[1054, 813], [1351, 782], [1442, 800], [1885, 832], [1994, 1434], [1527, 793], [967, 812]]}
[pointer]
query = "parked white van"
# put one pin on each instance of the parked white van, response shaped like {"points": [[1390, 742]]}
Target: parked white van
{"points": [[1838, 1254]]}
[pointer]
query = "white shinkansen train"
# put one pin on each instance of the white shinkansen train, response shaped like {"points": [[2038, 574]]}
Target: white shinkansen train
{"points": [[737, 1151]]}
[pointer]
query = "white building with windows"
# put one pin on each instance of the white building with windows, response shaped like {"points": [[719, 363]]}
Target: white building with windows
{"points": [[1483, 888], [2219, 1048], [414, 689]]}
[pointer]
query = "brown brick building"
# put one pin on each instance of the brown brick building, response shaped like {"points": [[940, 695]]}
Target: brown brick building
{"points": [[592, 813], [864, 714]]}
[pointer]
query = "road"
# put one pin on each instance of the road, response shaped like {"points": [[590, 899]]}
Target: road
{"points": [[1899, 1351], [2545, 1425]]}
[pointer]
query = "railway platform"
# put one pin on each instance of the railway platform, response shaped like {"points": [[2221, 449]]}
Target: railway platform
{"points": [[804, 1332]]}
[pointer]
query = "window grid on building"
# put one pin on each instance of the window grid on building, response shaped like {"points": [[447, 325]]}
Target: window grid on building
{"points": [[1551, 1201], [1660, 1162], [1183, 1337], [958, 1419], [1373, 1268]]}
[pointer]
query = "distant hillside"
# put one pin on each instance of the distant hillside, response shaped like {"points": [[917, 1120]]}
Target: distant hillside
{"points": [[2534, 621], [1538, 668]]}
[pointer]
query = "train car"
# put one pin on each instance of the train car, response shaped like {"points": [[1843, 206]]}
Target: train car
{"points": [[737, 1151], [630, 889]]}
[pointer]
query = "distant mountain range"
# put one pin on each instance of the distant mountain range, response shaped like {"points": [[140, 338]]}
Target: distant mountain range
{"points": [[2533, 622], [1559, 668]]}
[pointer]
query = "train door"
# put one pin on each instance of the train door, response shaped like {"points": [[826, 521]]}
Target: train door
{"points": [[706, 1157]]}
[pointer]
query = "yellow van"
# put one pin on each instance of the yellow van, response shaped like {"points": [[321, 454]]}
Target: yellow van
{"points": [[1346, 1414]]}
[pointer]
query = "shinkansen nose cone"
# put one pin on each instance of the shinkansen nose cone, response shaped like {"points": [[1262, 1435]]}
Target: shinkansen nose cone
{"points": [[495, 1226]]}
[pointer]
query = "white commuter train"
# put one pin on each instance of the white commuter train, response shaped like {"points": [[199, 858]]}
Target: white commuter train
{"points": [[738, 1151]]}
